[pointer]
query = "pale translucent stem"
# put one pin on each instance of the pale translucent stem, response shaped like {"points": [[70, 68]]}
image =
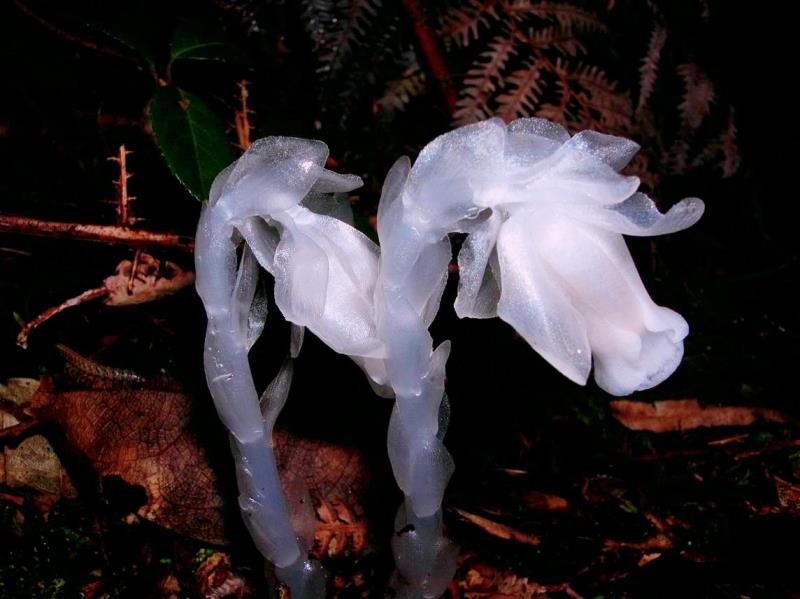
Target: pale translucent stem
{"points": [[261, 500], [424, 558], [227, 296]]}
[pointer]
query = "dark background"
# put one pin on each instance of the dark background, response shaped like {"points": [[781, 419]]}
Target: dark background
{"points": [[65, 108]]}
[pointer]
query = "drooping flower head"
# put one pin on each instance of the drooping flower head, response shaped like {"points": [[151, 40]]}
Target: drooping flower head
{"points": [[545, 213], [279, 197]]}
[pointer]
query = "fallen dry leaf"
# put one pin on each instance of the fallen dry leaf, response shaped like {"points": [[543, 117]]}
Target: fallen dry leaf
{"points": [[479, 580], [329, 470], [687, 414], [145, 279], [501, 531], [19, 390], [140, 435], [788, 495], [653, 545], [545, 502], [216, 579], [336, 477], [338, 529], [32, 464]]}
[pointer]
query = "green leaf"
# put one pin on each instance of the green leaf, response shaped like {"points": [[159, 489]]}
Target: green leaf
{"points": [[198, 40], [191, 138]]}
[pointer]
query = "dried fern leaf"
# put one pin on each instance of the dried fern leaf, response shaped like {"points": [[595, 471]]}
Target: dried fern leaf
{"points": [[555, 38], [464, 24], [399, 92], [336, 26], [723, 145], [648, 71], [602, 104], [566, 15], [698, 95], [482, 80], [524, 91]]}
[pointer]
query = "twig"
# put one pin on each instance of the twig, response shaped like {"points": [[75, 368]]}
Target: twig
{"points": [[124, 215], [92, 45], [241, 118], [24, 225], [430, 48], [134, 268], [90, 294]]}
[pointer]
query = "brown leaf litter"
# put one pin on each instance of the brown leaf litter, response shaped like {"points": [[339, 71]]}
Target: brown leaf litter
{"points": [[687, 414]]}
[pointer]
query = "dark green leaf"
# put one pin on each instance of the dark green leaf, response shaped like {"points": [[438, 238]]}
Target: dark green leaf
{"points": [[191, 138], [197, 40]]}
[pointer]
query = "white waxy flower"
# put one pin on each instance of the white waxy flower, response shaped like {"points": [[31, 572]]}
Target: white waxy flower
{"points": [[553, 263], [279, 197], [545, 213]]}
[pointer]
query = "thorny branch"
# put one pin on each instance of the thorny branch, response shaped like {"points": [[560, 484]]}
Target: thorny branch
{"points": [[242, 119], [121, 233], [124, 216], [23, 225]]}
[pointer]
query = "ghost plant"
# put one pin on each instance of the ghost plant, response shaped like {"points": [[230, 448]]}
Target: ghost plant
{"points": [[544, 215], [278, 202]]}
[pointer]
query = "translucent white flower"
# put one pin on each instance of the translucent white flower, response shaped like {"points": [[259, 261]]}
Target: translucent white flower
{"points": [[545, 213], [279, 197]]}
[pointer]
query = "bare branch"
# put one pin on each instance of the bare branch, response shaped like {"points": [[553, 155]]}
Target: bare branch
{"points": [[23, 225]]}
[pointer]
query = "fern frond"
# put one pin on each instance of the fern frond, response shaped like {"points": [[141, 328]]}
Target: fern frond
{"points": [[677, 157], [648, 71], [566, 16], [602, 104], [524, 90], [556, 38], [698, 96], [336, 26], [399, 92], [724, 144], [464, 24], [482, 80], [730, 149]]}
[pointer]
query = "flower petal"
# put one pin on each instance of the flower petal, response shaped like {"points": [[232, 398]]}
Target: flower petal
{"points": [[536, 306], [331, 182], [326, 271], [262, 239], [274, 174], [538, 127], [639, 216], [393, 185], [478, 288], [335, 205], [301, 276], [573, 176], [248, 304], [440, 187], [614, 151], [424, 290], [635, 343], [531, 140]]}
